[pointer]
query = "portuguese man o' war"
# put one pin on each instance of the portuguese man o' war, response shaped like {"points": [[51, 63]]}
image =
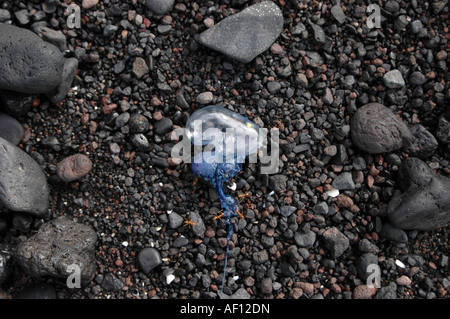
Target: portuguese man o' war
{"points": [[233, 138]]}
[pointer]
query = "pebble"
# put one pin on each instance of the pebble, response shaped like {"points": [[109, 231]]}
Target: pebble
{"points": [[266, 285], [21, 47], [344, 181], [175, 220], [417, 78], [305, 238], [424, 144], [68, 74], [387, 292], [375, 129], [276, 49], [140, 142], [245, 35], [393, 233], [403, 281], [393, 79], [366, 246], [138, 123], [73, 168], [140, 67], [424, 203], [364, 292], [273, 87], [310, 80], [199, 227], [416, 26], [10, 129], [159, 7], [115, 148], [148, 259], [4, 15], [321, 208], [443, 130], [278, 182], [57, 244], [362, 265], [338, 14], [318, 33], [111, 283], [327, 98], [205, 98], [335, 242], [330, 150], [87, 4], [122, 119], [23, 185], [163, 126], [22, 16]]}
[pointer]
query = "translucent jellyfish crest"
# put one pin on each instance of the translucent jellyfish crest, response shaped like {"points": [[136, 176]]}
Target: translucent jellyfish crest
{"points": [[233, 136]]}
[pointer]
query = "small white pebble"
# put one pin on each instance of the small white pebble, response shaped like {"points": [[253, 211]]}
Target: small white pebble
{"points": [[232, 187], [169, 212], [170, 278], [400, 264], [125, 244], [271, 193], [235, 278], [333, 193]]}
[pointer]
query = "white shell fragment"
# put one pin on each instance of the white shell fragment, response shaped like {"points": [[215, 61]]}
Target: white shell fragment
{"points": [[169, 279], [333, 193], [232, 187], [400, 264]]}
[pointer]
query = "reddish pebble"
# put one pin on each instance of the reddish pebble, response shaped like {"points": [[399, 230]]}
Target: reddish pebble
{"points": [[73, 167], [364, 292]]}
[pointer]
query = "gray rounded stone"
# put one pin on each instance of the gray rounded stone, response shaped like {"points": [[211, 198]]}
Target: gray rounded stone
{"points": [[393, 79], [245, 35], [425, 201], [10, 129], [159, 7], [57, 245], [27, 63], [376, 129], [68, 73], [23, 185]]}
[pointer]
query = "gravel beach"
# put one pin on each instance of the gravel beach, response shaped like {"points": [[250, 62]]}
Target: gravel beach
{"points": [[92, 91]]}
